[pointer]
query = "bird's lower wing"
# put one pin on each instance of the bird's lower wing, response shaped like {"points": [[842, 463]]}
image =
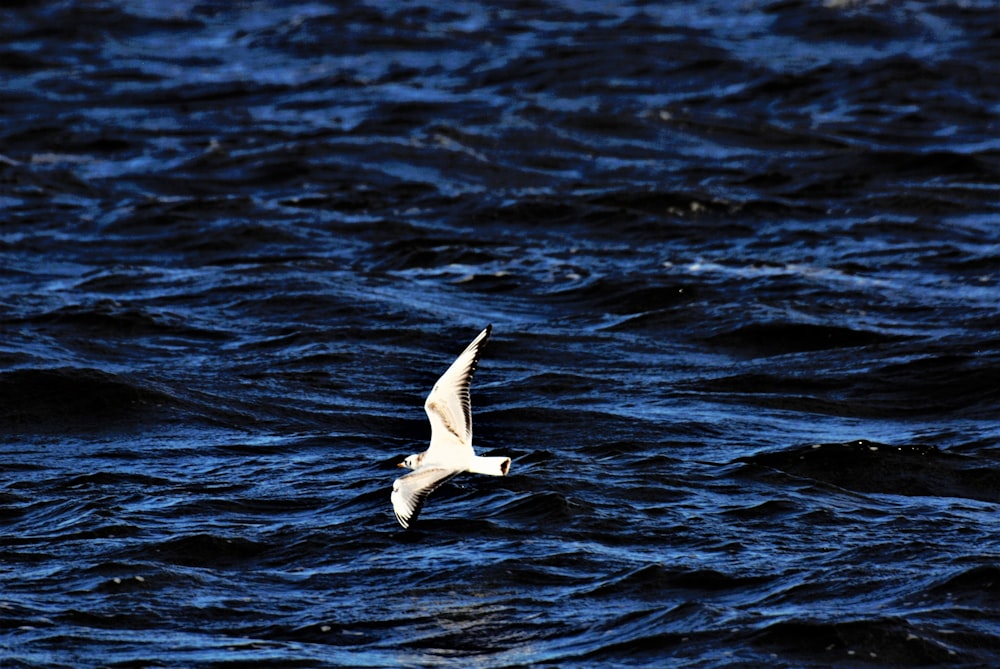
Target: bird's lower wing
{"points": [[410, 492]]}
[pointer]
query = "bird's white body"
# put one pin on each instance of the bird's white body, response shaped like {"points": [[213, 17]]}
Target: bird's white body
{"points": [[449, 410]]}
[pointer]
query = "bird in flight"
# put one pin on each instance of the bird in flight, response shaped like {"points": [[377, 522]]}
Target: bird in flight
{"points": [[450, 452]]}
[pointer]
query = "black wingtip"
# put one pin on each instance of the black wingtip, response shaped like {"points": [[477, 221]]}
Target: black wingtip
{"points": [[408, 521], [479, 349], [489, 331]]}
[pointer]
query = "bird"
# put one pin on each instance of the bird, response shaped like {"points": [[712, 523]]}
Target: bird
{"points": [[449, 409]]}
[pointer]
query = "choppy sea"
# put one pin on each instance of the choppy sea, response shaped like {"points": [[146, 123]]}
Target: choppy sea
{"points": [[742, 261]]}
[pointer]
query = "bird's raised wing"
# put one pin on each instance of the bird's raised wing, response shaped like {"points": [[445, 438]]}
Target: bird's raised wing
{"points": [[448, 406], [409, 492]]}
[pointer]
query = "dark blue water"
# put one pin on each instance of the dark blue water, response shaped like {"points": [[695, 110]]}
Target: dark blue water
{"points": [[742, 260]]}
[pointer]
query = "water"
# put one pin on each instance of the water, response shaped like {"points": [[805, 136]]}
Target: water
{"points": [[741, 260]]}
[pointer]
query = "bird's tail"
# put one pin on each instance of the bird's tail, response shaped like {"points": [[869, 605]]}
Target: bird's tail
{"points": [[492, 466]]}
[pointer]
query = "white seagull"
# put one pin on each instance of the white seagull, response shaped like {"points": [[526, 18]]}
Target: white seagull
{"points": [[450, 452]]}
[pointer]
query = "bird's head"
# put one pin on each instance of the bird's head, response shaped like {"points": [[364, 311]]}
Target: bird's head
{"points": [[412, 461]]}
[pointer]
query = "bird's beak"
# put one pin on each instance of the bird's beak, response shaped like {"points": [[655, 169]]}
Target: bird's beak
{"points": [[400, 465]]}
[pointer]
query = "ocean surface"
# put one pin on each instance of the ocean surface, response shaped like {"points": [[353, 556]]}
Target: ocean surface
{"points": [[742, 262]]}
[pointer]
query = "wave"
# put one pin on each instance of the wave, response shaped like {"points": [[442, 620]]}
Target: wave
{"points": [[204, 549], [890, 640], [915, 384], [872, 467], [765, 339], [653, 581], [74, 398]]}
